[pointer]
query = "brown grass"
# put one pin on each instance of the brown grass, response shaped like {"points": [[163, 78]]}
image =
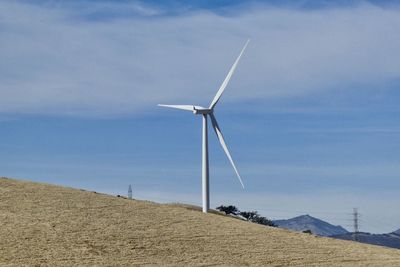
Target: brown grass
{"points": [[46, 225]]}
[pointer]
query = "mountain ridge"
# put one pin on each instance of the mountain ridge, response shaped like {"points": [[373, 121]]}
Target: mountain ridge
{"points": [[391, 240], [322, 228], [315, 225]]}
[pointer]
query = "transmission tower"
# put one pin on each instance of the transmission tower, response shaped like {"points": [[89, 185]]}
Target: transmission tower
{"points": [[356, 221], [130, 192]]}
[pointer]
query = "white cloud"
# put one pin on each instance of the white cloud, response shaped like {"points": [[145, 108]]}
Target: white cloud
{"points": [[55, 62]]}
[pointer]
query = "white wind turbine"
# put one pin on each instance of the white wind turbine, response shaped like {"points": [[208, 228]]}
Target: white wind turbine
{"points": [[210, 112]]}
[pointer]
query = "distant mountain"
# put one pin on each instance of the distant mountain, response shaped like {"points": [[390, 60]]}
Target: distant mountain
{"points": [[387, 240], [307, 222], [322, 228]]}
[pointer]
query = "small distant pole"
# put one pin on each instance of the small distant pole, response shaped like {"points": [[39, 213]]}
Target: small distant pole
{"points": [[130, 192], [356, 223]]}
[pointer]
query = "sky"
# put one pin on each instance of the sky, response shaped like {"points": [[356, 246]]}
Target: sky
{"points": [[311, 116]]}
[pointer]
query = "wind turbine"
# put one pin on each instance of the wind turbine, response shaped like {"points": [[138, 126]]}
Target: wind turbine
{"points": [[205, 112]]}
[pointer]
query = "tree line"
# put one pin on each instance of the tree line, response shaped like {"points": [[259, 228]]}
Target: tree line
{"points": [[251, 216]]}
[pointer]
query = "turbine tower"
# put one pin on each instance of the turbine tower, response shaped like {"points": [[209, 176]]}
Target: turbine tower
{"points": [[209, 112]]}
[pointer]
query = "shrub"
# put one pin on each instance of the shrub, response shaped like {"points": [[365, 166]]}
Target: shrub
{"points": [[249, 215], [254, 217], [228, 209]]}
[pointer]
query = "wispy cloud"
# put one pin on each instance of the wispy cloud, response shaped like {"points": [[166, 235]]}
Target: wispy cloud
{"points": [[59, 60], [358, 130]]}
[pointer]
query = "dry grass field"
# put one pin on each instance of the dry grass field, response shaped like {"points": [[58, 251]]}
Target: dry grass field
{"points": [[46, 225]]}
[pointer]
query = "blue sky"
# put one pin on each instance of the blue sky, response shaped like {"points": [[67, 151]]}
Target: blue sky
{"points": [[311, 116]]}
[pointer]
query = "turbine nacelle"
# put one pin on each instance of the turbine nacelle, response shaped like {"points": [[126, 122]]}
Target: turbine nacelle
{"points": [[202, 111]]}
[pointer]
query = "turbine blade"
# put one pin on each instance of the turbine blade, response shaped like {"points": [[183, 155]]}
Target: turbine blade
{"points": [[223, 144], [228, 77], [184, 107]]}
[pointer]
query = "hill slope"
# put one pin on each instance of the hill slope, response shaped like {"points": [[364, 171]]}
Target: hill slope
{"points": [[307, 222], [45, 225]]}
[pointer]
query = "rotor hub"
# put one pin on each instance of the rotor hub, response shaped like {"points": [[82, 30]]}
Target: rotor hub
{"points": [[204, 111]]}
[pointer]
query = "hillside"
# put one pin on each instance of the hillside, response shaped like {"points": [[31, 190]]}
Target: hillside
{"points": [[46, 225], [307, 222]]}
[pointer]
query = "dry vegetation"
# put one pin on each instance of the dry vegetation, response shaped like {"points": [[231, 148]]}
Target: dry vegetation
{"points": [[45, 225]]}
